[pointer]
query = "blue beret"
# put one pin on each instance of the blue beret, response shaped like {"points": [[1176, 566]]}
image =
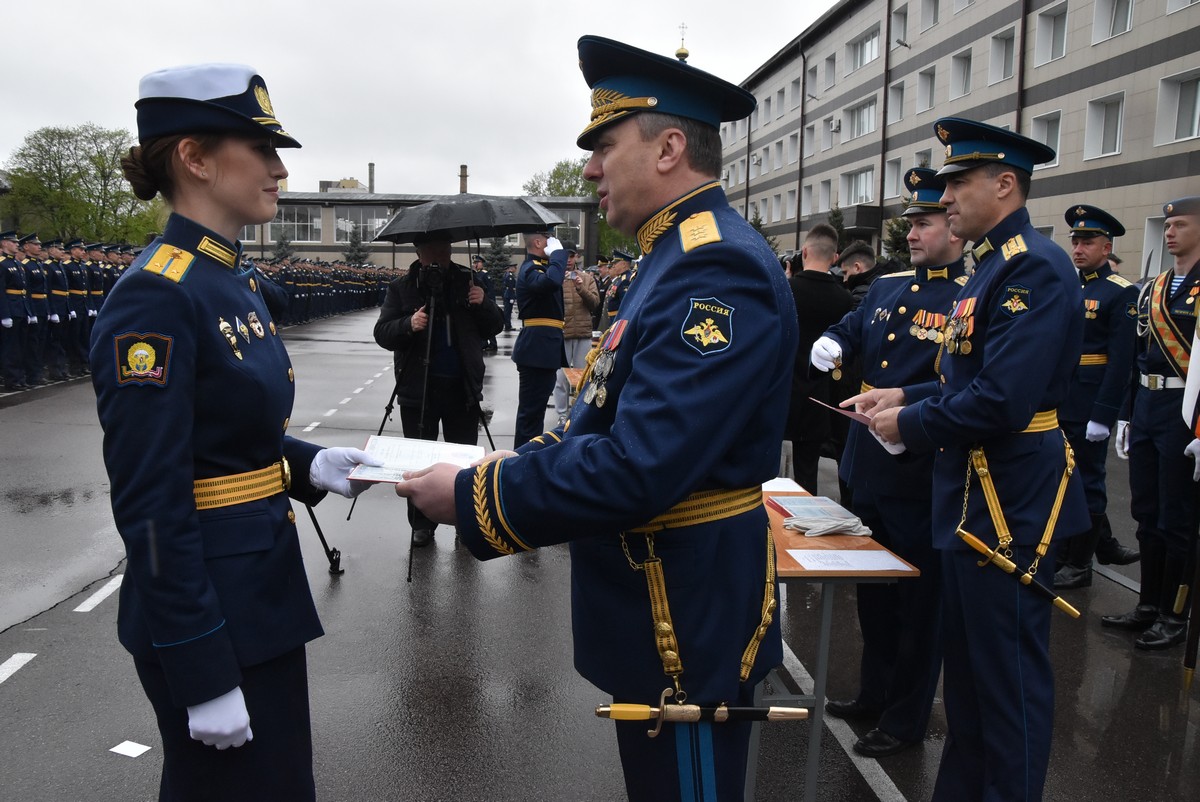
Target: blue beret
{"points": [[926, 188], [200, 98], [1090, 221], [970, 144], [626, 80], [620, 254], [1189, 205]]}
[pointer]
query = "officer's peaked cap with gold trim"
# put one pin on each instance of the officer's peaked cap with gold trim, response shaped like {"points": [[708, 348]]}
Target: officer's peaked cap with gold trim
{"points": [[1189, 206], [207, 98], [626, 80], [1090, 221], [970, 144], [925, 188]]}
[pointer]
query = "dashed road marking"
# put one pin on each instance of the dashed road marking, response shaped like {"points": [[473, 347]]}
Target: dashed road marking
{"points": [[93, 601], [14, 664]]}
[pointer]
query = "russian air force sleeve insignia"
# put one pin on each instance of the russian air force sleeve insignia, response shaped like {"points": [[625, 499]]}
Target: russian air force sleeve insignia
{"points": [[708, 327], [142, 358]]}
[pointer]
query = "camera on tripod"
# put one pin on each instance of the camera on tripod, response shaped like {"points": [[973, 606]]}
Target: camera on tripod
{"points": [[434, 278]]}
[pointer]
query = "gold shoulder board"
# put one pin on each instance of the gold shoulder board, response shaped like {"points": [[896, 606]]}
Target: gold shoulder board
{"points": [[1119, 280], [699, 229], [960, 281], [900, 274], [170, 262]]}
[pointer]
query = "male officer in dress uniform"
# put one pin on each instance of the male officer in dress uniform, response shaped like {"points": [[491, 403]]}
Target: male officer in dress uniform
{"points": [[77, 327], [656, 477], [538, 351], [1002, 467], [621, 275], [1100, 385], [1164, 456], [39, 310], [897, 333], [14, 312], [95, 271], [58, 292]]}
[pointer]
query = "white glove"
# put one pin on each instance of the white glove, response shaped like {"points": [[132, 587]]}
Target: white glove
{"points": [[54, 318], [32, 319], [222, 722], [330, 470], [6, 322], [1097, 432], [1121, 441], [552, 245], [1193, 451], [826, 354], [91, 313], [72, 316]]}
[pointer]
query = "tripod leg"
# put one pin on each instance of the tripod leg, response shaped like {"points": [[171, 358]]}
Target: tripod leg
{"points": [[333, 555]]}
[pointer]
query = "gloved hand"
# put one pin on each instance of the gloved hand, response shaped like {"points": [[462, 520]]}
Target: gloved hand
{"points": [[54, 318], [1193, 451], [826, 354], [6, 322], [222, 722], [72, 315], [1096, 432], [1121, 441], [552, 245], [330, 470], [32, 319], [91, 313]]}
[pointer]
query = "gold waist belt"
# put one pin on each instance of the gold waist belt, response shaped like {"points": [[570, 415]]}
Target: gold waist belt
{"points": [[544, 321], [1042, 422], [1093, 359], [60, 292], [38, 296], [238, 488], [79, 292], [866, 388], [705, 506], [15, 292]]}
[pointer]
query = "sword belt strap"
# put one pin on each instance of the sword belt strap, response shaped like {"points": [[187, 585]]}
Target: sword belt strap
{"points": [[1042, 422], [1093, 359], [768, 612], [544, 321], [239, 488]]}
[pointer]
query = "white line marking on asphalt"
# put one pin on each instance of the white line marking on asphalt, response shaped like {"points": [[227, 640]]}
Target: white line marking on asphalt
{"points": [[377, 375], [881, 784], [369, 381], [330, 412], [344, 401], [358, 390], [13, 664], [130, 749], [312, 426], [93, 601]]}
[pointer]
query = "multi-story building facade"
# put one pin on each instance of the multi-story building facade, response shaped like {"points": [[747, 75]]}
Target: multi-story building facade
{"points": [[848, 106]]}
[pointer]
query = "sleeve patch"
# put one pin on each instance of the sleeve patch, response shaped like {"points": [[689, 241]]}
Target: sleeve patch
{"points": [[1019, 299], [708, 327], [142, 358], [170, 263], [699, 229]]}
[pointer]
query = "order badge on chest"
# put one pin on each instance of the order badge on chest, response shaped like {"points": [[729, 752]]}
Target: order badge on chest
{"points": [[597, 391]]}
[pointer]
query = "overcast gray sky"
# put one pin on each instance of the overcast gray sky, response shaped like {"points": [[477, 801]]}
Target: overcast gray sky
{"points": [[417, 88]]}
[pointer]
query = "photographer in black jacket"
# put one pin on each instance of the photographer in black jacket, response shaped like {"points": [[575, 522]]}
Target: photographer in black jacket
{"points": [[440, 298]]}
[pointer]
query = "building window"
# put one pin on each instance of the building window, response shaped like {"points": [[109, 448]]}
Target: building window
{"points": [[1102, 137], [1178, 108], [1045, 130], [861, 119], [753, 213], [924, 158], [896, 102], [299, 223], [806, 201], [826, 198], [766, 110], [811, 81], [777, 206], [930, 9], [793, 148], [778, 157], [891, 178], [925, 85], [797, 89], [1051, 42], [960, 74], [779, 103], [1112, 17], [248, 234], [810, 140], [791, 204], [830, 127], [1176, 5], [899, 27], [830, 70], [368, 220], [1003, 51], [858, 186], [862, 51], [959, 5], [754, 119], [568, 231], [765, 155]]}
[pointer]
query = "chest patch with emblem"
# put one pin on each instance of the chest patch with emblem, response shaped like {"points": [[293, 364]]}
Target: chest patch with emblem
{"points": [[708, 327]]}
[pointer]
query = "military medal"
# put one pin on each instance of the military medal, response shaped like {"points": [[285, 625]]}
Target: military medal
{"points": [[242, 328], [589, 395], [836, 374], [227, 332], [913, 329], [256, 325], [965, 347], [602, 367], [601, 395]]}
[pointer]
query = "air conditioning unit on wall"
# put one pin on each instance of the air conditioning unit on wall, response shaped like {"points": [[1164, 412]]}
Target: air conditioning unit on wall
{"points": [[835, 126]]}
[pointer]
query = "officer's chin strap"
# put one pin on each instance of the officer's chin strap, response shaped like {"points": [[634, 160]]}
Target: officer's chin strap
{"points": [[1001, 555]]}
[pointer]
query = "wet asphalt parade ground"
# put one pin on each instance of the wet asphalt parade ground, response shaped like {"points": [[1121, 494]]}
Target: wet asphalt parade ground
{"points": [[460, 685]]}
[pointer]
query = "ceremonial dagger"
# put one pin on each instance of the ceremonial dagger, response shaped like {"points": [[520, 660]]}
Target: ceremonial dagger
{"points": [[1009, 567], [691, 713]]}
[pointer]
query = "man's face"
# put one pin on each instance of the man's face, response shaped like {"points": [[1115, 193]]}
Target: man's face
{"points": [[929, 242], [572, 259], [972, 204], [33, 250], [434, 253], [8, 247], [78, 254], [603, 269], [1183, 234], [56, 253], [624, 169], [1089, 253]]}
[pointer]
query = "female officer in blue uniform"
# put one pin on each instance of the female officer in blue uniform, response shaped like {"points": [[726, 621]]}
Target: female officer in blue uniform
{"points": [[194, 389]]}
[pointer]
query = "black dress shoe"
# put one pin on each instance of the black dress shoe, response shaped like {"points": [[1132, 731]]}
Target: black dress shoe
{"points": [[422, 537], [1111, 552], [878, 743], [1137, 619], [1070, 577], [1164, 633], [853, 710]]}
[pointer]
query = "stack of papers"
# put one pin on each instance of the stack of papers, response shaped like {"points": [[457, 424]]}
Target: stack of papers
{"points": [[400, 454], [817, 515]]}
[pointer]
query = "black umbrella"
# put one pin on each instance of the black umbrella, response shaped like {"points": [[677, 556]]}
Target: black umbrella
{"points": [[467, 216]]}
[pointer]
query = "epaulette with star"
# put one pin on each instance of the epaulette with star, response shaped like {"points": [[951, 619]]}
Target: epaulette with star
{"points": [[170, 263]]}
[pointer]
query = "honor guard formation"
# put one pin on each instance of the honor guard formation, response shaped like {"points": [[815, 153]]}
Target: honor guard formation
{"points": [[991, 376]]}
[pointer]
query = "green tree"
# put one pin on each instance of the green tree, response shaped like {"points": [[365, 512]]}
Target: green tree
{"points": [[757, 224], [68, 182], [496, 259], [283, 246], [839, 225], [356, 253], [895, 242], [565, 179]]}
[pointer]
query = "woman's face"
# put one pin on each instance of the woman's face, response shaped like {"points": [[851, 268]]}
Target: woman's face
{"points": [[245, 179]]}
